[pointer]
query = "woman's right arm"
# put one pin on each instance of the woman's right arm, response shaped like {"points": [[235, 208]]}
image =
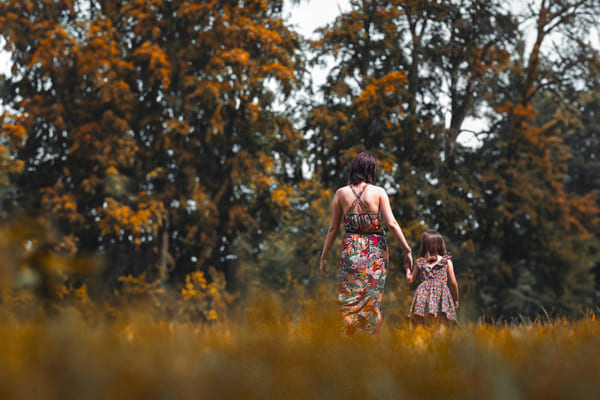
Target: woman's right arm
{"points": [[332, 232], [394, 226]]}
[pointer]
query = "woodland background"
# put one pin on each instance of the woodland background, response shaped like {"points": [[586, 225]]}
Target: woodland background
{"points": [[150, 146]]}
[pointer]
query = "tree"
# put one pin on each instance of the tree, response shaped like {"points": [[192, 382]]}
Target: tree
{"points": [[579, 118], [535, 235], [503, 206], [399, 68], [149, 128]]}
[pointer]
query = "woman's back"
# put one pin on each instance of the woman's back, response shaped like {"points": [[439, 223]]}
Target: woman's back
{"points": [[359, 216], [369, 197]]}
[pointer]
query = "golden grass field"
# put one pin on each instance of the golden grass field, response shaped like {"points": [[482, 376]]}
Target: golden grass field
{"points": [[264, 351]]}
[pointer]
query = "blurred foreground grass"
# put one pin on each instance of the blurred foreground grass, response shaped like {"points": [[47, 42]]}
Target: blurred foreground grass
{"points": [[263, 351]]}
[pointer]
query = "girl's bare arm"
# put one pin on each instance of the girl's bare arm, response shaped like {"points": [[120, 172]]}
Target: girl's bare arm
{"points": [[452, 283]]}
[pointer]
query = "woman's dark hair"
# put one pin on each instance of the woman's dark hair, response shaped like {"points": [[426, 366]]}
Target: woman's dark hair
{"points": [[432, 245], [363, 168]]}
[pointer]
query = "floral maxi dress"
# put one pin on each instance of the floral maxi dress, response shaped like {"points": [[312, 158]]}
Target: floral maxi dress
{"points": [[363, 269], [433, 296]]}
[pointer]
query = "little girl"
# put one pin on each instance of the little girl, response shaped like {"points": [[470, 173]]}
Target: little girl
{"points": [[434, 301]]}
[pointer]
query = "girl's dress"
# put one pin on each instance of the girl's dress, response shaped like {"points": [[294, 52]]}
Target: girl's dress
{"points": [[433, 295], [363, 268]]}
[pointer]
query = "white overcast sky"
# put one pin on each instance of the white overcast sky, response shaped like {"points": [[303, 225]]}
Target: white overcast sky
{"points": [[4, 60], [312, 14]]}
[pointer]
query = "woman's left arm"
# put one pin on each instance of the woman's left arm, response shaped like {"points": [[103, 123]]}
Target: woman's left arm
{"points": [[334, 228], [394, 226]]}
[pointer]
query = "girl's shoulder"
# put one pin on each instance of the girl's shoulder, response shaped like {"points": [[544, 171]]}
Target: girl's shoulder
{"points": [[444, 260]]}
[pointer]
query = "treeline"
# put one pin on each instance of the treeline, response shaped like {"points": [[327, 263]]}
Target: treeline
{"points": [[172, 136]]}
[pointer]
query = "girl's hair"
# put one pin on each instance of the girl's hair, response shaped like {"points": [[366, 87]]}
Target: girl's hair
{"points": [[363, 168], [432, 245]]}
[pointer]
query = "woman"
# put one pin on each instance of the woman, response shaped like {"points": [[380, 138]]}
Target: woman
{"points": [[364, 258]]}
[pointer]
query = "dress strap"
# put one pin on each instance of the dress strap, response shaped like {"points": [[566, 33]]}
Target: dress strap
{"points": [[363, 205]]}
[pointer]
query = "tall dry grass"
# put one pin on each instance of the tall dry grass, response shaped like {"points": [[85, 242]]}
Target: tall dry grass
{"points": [[271, 348]]}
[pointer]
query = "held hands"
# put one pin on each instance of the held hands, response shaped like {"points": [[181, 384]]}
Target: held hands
{"points": [[408, 262], [408, 277], [322, 268], [408, 267]]}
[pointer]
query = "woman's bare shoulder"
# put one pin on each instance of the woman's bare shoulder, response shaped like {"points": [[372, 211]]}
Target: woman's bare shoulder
{"points": [[342, 190], [378, 189]]}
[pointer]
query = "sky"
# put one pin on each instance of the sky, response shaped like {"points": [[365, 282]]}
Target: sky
{"points": [[312, 14], [309, 15], [4, 60]]}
